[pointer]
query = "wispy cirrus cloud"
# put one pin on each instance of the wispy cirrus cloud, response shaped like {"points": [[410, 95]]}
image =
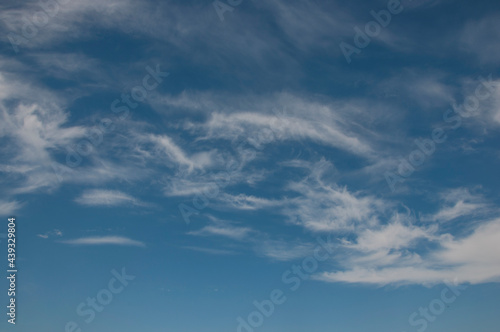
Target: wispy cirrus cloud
{"points": [[281, 250], [248, 202], [324, 206], [105, 240], [34, 128], [8, 208], [458, 203], [392, 236], [481, 38], [164, 144], [267, 128], [250, 239], [211, 251], [101, 197], [225, 229], [46, 235], [427, 89], [280, 117]]}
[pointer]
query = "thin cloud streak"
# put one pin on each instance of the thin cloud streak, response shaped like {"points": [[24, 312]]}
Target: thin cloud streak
{"points": [[99, 197], [105, 240]]}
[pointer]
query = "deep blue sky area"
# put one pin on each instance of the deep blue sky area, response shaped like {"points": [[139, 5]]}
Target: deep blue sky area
{"points": [[240, 165]]}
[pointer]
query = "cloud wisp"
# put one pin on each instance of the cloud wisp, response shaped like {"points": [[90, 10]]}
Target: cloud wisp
{"points": [[104, 240], [101, 197]]}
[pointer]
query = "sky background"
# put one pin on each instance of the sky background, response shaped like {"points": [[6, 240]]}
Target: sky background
{"points": [[207, 148]]}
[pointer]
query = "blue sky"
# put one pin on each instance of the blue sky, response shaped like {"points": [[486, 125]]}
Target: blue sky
{"points": [[184, 163]]}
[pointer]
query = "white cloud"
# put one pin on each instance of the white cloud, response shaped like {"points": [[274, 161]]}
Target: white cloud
{"points": [[279, 117], [426, 89], [186, 187], [485, 89], [8, 208], [67, 65], [260, 128], [332, 209], [225, 229], [46, 235], [166, 145], [460, 208], [260, 242], [393, 275], [473, 258], [458, 203], [321, 206], [310, 24], [70, 16], [211, 182], [210, 251], [249, 202], [34, 122], [495, 102], [283, 251], [391, 236], [99, 197], [105, 240], [480, 250], [482, 38]]}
